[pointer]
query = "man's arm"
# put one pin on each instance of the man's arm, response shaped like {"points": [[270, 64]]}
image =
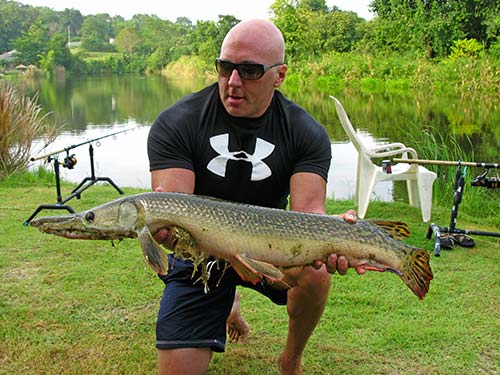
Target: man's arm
{"points": [[177, 180], [307, 193]]}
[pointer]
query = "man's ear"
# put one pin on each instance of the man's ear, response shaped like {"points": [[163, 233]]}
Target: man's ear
{"points": [[280, 75]]}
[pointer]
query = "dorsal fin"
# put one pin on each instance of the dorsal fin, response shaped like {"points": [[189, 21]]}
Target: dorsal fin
{"points": [[395, 229]]}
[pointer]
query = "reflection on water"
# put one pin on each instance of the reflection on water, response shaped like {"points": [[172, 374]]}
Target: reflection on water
{"points": [[95, 106]]}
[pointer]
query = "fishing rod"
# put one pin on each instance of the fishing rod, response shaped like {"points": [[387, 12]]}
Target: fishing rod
{"points": [[448, 162], [66, 149], [69, 162], [481, 180], [449, 233]]}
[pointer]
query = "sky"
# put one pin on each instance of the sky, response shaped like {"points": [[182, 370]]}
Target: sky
{"points": [[193, 9]]}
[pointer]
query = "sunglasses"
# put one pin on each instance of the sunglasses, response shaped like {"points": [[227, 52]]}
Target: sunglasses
{"points": [[247, 71]]}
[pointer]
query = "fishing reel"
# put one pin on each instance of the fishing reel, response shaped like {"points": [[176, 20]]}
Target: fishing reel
{"points": [[484, 181], [69, 161]]}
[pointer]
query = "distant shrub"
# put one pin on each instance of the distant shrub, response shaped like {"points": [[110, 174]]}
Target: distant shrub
{"points": [[465, 48], [21, 122]]}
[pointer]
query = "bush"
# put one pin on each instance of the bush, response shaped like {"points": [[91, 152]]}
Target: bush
{"points": [[21, 121], [465, 48]]}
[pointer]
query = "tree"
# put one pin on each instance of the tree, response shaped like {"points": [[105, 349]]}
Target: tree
{"points": [[72, 19], [60, 54], [431, 26], [204, 40], [311, 29], [128, 39], [32, 45], [207, 37], [224, 24], [313, 5], [341, 31], [15, 20], [96, 33]]}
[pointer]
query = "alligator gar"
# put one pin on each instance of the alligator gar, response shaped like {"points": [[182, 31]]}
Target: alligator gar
{"points": [[257, 241]]}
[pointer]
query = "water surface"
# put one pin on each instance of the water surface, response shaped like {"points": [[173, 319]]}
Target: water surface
{"points": [[94, 107]]}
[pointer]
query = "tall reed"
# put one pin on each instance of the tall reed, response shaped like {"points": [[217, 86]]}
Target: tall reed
{"points": [[21, 122], [476, 201]]}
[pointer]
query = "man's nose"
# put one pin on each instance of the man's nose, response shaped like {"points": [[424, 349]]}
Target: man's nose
{"points": [[234, 78]]}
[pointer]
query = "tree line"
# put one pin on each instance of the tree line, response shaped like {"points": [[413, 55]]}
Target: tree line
{"points": [[430, 29]]}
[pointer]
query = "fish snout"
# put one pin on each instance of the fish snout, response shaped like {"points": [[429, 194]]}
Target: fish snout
{"points": [[51, 221]]}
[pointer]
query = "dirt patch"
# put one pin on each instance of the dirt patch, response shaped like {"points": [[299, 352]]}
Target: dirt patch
{"points": [[22, 273]]}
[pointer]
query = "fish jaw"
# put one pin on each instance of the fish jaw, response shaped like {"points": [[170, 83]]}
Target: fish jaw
{"points": [[107, 222], [73, 227]]}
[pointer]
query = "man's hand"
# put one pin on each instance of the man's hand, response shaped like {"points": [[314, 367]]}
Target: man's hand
{"points": [[165, 236], [336, 263]]}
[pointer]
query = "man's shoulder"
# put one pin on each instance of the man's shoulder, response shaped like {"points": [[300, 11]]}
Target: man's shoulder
{"points": [[190, 106], [295, 114], [289, 106]]}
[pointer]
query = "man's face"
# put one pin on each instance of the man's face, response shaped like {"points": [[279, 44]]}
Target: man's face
{"points": [[249, 98]]}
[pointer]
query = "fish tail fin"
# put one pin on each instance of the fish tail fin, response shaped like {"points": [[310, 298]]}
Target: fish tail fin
{"points": [[417, 273], [398, 230]]}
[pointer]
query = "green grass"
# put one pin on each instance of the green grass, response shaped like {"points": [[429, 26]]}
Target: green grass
{"points": [[86, 307], [99, 55]]}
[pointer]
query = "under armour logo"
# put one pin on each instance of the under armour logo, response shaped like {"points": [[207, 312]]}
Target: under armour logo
{"points": [[260, 170]]}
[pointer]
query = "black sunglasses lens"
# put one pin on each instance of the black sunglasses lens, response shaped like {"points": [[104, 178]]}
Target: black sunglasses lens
{"points": [[251, 71], [224, 68], [246, 71]]}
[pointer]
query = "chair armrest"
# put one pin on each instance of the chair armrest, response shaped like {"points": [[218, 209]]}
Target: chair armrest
{"points": [[378, 152], [388, 147]]}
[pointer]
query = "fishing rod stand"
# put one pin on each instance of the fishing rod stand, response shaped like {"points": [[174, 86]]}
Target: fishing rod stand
{"points": [[87, 182], [438, 231]]}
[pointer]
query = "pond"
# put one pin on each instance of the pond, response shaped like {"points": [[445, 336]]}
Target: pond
{"points": [[93, 107]]}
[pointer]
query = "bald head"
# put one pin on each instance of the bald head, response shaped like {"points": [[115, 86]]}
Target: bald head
{"points": [[259, 40], [256, 42]]}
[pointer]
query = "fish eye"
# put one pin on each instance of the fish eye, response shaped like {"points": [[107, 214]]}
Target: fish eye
{"points": [[90, 216]]}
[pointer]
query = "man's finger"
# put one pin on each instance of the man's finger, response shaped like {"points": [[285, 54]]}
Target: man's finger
{"points": [[161, 236], [338, 264], [342, 265], [317, 264], [350, 216], [331, 263]]}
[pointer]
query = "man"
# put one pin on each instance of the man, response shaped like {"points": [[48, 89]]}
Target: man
{"points": [[240, 140]]}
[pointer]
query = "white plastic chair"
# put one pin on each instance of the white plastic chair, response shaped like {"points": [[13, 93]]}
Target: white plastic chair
{"points": [[419, 180]]}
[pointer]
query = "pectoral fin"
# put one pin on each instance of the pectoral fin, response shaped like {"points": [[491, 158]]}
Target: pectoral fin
{"points": [[153, 253], [252, 270]]}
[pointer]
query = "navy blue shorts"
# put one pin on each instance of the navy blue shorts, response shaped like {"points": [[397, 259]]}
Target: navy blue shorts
{"points": [[192, 317]]}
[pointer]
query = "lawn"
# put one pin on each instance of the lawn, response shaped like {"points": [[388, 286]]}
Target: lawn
{"points": [[88, 307]]}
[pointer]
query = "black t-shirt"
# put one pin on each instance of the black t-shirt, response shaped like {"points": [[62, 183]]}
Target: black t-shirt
{"points": [[239, 159]]}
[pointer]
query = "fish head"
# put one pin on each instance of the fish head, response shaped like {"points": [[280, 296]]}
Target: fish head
{"points": [[111, 221]]}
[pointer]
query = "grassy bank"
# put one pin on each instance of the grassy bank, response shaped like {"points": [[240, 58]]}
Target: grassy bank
{"points": [[86, 307], [400, 73], [376, 73]]}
